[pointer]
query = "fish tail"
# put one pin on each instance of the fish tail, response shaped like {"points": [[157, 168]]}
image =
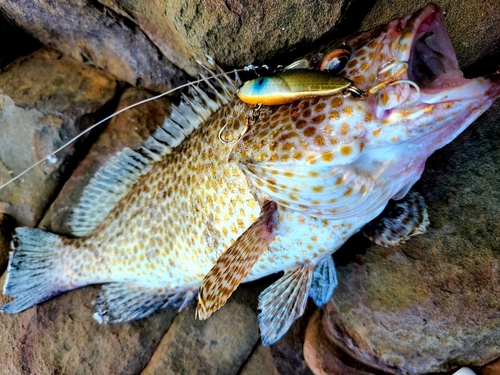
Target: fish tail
{"points": [[31, 276]]}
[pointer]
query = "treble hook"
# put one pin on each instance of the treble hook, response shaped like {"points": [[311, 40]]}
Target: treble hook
{"points": [[252, 119], [391, 80]]}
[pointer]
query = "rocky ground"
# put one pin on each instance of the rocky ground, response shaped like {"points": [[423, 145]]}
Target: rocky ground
{"points": [[428, 306]]}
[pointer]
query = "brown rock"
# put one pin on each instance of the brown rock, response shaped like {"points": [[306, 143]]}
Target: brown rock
{"points": [[473, 26], [96, 35], [60, 337], [432, 304], [490, 369], [218, 345], [134, 40], [45, 99], [326, 355], [260, 362]]}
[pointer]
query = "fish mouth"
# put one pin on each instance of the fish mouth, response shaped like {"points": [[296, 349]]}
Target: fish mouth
{"points": [[432, 62]]}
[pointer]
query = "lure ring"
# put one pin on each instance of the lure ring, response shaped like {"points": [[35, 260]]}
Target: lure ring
{"points": [[252, 119]]}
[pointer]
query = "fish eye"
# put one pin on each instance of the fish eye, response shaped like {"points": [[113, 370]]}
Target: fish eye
{"points": [[335, 60], [260, 81]]}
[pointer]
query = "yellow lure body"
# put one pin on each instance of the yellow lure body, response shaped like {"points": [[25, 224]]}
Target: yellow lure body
{"points": [[291, 85]]}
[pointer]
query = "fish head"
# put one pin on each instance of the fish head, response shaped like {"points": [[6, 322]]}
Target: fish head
{"points": [[324, 156]]}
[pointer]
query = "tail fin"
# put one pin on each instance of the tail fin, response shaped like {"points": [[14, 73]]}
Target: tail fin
{"points": [[31, 278]]}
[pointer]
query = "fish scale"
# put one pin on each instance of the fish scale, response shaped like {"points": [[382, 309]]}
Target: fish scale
{"points": [[225, 192]]}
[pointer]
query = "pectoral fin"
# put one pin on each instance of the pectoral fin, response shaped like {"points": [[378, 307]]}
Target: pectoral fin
{"points": [[236, 262], [283, 302]]}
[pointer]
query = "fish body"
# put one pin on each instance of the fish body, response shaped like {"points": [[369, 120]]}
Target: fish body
{"points": [[162, 223]]}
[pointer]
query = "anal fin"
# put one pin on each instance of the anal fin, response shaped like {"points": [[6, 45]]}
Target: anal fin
{"points": [[236, 262], [123, 302], [324, 282], [400, 220], [283, 302]]}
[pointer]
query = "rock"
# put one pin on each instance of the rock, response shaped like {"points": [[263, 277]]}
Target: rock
{"points": [[45, 99], [473, 26], [218, 345], [325, 354], [91, 33], [260, 362], [491, 369], [60, 336], [430, 305], [135, 40], [234, 33]]}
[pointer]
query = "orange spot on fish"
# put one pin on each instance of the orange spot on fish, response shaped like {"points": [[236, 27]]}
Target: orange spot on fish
{"points": [[337, 102], [319, 141], [345, 150], [327, 156], [344, 129], [347, 111]]}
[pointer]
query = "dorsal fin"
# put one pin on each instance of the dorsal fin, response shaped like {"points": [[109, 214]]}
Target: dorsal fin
{"points": [[114, 179]]}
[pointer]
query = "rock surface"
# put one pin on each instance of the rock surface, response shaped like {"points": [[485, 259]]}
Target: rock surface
{"points": [[234, 33], [94, 34], [45, 99]]}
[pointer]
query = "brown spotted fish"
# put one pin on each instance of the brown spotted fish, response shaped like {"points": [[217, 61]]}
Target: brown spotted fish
{"points": [[183, 216]]}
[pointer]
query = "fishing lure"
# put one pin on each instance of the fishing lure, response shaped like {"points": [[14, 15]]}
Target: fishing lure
{"points": [[290, 85]]}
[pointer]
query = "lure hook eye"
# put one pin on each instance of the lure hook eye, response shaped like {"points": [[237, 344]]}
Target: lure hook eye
{"points": [[335, 60]]}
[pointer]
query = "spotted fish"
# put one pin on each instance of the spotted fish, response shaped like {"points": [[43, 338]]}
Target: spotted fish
{"points": [[183, 216]]}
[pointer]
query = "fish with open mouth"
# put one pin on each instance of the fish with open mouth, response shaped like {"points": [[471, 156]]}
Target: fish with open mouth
{"points": [[213, 199]]}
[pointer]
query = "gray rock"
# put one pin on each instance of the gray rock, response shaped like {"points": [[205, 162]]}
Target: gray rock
{"points": [[91, 33], [45, 99], [216, 346]]}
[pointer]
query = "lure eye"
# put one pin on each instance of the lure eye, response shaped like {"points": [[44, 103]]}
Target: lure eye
{"points": [[260, 82], [335, 60]]}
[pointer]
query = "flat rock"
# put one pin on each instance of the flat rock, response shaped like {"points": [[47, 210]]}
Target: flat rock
{"points": [[60, 337], [430, 305], [216, 346], [45, 99], [94, 34]]}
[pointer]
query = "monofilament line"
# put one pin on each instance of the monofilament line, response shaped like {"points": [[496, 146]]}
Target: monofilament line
{"points": [[52, 155]]}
